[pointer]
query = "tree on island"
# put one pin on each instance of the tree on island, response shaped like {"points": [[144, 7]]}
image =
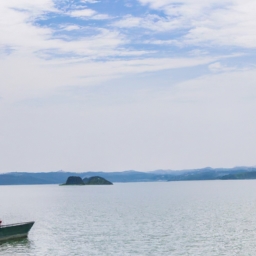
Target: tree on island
{"points": [[95, 180], [74, 180]]}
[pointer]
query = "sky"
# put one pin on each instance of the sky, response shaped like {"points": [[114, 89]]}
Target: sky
{"points": [[91, 85]]}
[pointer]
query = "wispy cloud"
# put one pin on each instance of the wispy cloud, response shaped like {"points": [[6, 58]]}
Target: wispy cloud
{"points": [[85, 13], [70, 27], [229, 23], [150, 22], [124, 44]]}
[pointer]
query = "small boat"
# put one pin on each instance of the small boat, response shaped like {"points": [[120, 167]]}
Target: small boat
{"points": [[17, 230]]}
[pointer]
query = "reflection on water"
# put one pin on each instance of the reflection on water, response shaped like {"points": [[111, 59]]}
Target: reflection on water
{"points": [[173, 218], [20, 245]]}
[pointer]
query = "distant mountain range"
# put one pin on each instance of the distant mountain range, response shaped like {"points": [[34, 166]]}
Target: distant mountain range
{"points": [[26, 178]]}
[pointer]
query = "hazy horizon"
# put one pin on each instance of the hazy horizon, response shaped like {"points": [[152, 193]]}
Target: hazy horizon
{"points": [[147, 171]]}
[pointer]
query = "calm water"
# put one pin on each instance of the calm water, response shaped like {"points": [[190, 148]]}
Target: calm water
{"points": [[176, 218]]}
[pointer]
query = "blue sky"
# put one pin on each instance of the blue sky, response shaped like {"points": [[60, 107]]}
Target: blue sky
{"points": [[132, 84]]}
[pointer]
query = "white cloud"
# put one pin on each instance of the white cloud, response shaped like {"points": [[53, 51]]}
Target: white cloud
{"points": [[89, 14], [150, 22], [129, 22], [35, 41], [15, 24], [230, 22], [38, 7], [70, 27], [16, 27], [32, 78], [38, 77], [83, 13], [101, 17], [218, 67]]}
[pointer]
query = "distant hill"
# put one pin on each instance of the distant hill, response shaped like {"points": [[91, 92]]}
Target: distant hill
{"points": [[240, 176], [60, 177], [23, 179], [206, 174]]}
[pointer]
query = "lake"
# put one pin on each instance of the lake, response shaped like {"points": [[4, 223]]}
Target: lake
{"points": [[162, 218]]}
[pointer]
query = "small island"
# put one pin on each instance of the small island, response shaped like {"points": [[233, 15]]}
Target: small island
{"points": [[95, 180]]}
